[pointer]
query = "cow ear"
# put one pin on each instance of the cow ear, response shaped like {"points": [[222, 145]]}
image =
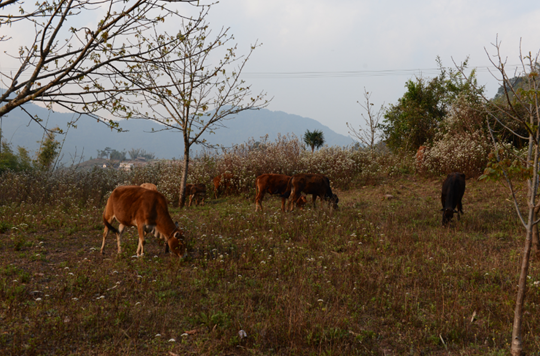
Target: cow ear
{"points": [[178, 235]]}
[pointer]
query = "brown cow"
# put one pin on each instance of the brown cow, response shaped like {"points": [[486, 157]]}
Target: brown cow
{"points": [[275, 184], [223, 183], [150, 186], [316, 184], [146, 209], [301, 202], [196, 191]]}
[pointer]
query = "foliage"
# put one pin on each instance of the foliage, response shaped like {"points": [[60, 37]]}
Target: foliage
{"points": [[48, 151], [346, 168], [117, 155], [509, 99], [461, 143], [314, 139], [111, 153], [506, 159], [139, 152], [415, 119], [14, 162]]}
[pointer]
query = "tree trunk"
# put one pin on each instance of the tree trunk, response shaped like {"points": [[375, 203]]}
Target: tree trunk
{"points": [[535, 242], [517, 340], [183, 180]]}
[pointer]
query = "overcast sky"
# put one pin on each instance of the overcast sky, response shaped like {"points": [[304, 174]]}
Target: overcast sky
{"points": [[318, 56]]}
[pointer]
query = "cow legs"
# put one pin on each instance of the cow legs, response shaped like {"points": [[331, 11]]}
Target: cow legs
{"points": [[314, 197], [258, 200], [140, 247], [191, 199], [283, 200], [293, 198], [105, 234], [118, 234]]}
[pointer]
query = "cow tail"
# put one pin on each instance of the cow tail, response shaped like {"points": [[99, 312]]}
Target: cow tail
{"points": [[109, 226]]}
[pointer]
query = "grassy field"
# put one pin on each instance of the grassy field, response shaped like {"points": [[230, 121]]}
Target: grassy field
{"points": [[377, 277]]}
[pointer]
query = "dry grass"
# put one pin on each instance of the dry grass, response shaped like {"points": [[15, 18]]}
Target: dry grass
{"points": [[377, 277]]}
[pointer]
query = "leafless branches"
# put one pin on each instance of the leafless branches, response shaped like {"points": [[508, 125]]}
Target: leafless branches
{"points": [[369, 135], [76, 60], [201, 91]]}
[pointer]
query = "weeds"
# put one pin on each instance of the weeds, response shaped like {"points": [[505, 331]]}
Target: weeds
{"points": [[375, 277]]}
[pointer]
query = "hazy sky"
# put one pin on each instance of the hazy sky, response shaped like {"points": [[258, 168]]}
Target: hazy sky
{"points": [[318, 56]]}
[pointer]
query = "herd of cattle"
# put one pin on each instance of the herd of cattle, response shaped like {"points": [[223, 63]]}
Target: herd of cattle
{"points": [[145, 208]]}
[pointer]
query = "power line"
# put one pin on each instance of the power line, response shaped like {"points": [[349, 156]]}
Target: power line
{"points": [[359, 73], [351, 74]]}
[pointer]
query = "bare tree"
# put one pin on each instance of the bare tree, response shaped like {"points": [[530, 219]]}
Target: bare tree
{"points": [[74, 65], [199, 94], [369, 135], [520, 108]]}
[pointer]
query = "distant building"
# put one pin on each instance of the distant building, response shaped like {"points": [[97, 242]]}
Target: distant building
{"points": [[124, 166]]}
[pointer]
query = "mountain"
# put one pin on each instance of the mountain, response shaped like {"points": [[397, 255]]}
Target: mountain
{"points": [[90, 136]]}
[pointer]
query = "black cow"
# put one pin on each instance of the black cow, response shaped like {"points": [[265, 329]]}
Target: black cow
{"points": [[452, 191], [315, 184]]}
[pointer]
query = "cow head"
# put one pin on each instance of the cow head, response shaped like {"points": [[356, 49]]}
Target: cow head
{"points": [[447, 215], [300, 202], [334, 200], [177, 244]]}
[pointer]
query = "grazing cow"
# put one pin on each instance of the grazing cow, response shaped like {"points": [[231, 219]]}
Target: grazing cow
{"points": [[223, 183], [149, 186], [196, 192], [452, 191], [275, 184], [147, 210], [316, 184]]}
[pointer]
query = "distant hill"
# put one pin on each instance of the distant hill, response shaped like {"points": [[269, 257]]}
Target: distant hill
{"points": [[89, 136]]}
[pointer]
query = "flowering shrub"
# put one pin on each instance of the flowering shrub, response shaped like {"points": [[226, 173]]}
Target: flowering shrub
{"points": [[461, 145], [345, 167], [66, 187], [467, 153]]}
